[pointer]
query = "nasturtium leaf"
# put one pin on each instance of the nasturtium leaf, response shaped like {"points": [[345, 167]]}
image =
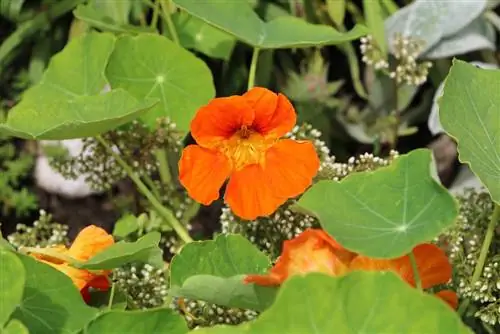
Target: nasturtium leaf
{"points": [[282, 32], [51, 302], [144, 250], [69, 102], [141, 322], [98, 19], [469, 112], [15, 327], [118, 11], [196, 34], [150, 66], [12, 279], [387, 212], [213, 271], [360, 302]]}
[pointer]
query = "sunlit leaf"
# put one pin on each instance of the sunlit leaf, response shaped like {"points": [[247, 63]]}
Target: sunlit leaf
{"points": [[469, 112], [144, 250], [386, 212], [282, 32], [150, 66], [213, 271], [15, 327], [51, 303], [360, 302], [147, 321], [69, 102], [12, 278]]}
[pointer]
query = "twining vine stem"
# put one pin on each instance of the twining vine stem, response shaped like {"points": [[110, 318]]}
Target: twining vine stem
{"points": [[162, 211], [414, 267], [488, 238], [253, 68]]}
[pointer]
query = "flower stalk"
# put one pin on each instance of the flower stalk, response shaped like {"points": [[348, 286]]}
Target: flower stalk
{"points": [[253, 68], [414, 267]]}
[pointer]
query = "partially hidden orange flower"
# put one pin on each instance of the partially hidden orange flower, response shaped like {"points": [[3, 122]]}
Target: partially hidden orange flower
{"points": [[239, 138], [90, 241], [316, 251]]}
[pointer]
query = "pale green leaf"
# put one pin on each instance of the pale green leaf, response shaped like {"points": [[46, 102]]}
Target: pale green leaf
{"points": [[149, 66], [336, 11], [360, 302], [469, 112], [282, 32], [12, 279], [375, 21], [138, 322], [69, 102], [15, 327], [387, 212]]}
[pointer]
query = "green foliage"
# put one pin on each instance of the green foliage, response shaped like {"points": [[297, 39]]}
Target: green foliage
{"points": [[13, 277], [468, 112]]}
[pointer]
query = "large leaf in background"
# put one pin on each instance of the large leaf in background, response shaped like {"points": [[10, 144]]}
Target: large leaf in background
{"points": [[239, 19], [198, 35], [51, 302], [360, 302], [153, 66], [139, 322], [12, 278], [386, 212], [118, 11], [213, 271], [68, 103], [432, 20], [144, 250], [98, 19], [478, 35], [15, 327], [469, 112]]}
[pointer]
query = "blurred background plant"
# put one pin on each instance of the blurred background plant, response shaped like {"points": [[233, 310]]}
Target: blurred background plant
{"points": [[360, 102]]}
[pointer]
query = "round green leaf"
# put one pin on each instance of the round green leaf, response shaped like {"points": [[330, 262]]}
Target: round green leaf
{"points": [[140, 322], [152, 66], [12, 278], [69, 101], [387, 212], [282, 32], [15, 327], [213, 271], [361, 302], [51, 303], [469, 112]]}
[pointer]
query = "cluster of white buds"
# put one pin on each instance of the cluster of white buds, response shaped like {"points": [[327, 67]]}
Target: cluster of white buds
{"points": [[408, 70], [371, 54]]}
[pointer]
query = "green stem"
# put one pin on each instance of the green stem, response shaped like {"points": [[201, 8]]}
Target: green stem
{"points": [[111, 296], [478, 270], [414, 267], [164, 169], [165, 5], [25, 30], [162, 211], [150, 183], [156, 14], [253, 68]]}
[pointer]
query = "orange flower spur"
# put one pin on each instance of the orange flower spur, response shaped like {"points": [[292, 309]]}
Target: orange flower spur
{"points": [[239, 138], [90, 241], [316, 251]]}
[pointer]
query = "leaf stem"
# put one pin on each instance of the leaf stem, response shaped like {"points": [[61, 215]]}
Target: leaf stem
{"points": [[156, 14], [478, 270], [414, 267], [165, 5], [253, 68], [111, 296], [162, 211], [163, 168]]}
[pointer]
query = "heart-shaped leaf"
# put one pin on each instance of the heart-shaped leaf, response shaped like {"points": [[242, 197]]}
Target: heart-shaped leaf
{"points": [[360, 302], [469, 112], [149, 66], [51, 303], [144, 250], [240, 20], [384, 213], [69, 102], [213, 271], [140, 322], [12, 279]]}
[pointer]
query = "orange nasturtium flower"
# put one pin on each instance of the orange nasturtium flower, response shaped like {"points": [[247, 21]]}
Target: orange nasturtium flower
{"points": [[316, 251], [239, 138], [90, 241]]}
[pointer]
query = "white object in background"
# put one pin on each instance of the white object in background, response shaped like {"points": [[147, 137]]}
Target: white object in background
{"points": [[465, 179], [53, 182]]}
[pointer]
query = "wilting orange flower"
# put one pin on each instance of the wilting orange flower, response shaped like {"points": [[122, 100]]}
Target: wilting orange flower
{"points": [[316, 251], [90, 241], [239, 138]]}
